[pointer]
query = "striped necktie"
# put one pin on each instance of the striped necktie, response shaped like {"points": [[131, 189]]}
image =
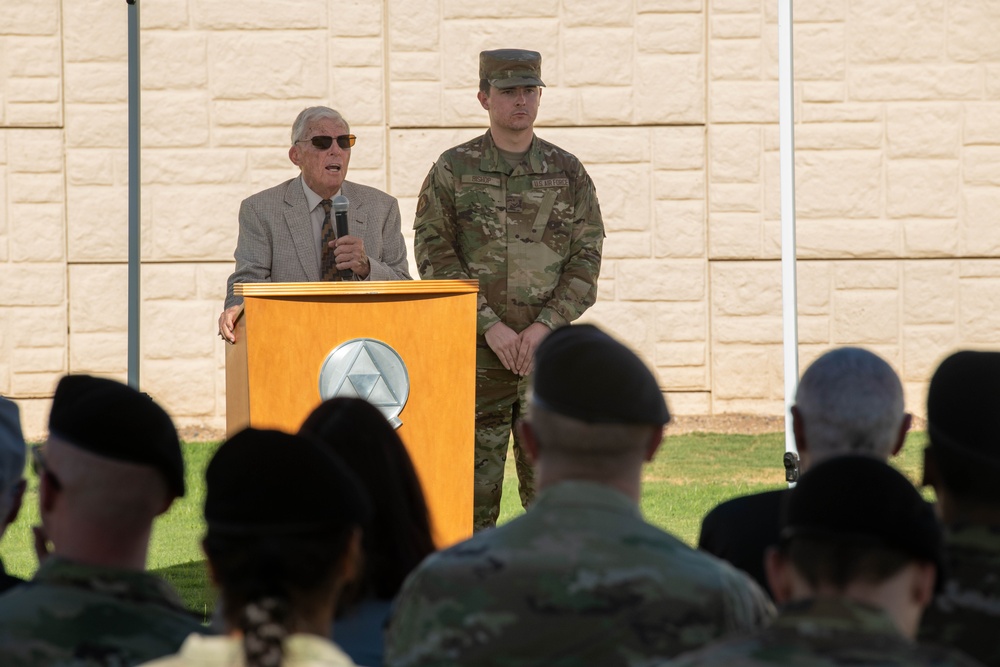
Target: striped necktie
{"points": [[328, 265]]}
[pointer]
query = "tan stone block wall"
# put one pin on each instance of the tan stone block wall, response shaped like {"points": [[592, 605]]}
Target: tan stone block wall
{"points": [[671, 104]]}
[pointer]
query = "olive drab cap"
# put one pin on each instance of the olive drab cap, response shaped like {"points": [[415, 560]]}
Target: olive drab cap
{"points": [[506, 68]]}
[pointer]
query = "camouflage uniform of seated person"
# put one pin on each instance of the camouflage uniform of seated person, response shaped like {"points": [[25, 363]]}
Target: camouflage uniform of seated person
{"points": [[858, 562], [111, 464], [581, 578], [962, 463]]}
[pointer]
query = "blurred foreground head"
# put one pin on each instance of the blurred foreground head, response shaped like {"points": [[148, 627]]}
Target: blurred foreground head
{"points": [[399, 535], [595, 410], [112, 463], [962, 460], [12, 455], [284, 521], [854, 527]]}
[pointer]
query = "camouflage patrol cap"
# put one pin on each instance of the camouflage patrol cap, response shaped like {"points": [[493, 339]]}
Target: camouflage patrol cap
{"points": [[857, 499], [110, 419], [507, 68], [583, 373], [12, 451], [264, 482]]}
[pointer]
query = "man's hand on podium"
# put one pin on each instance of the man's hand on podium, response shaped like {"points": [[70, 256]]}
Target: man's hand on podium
{"points": [[227, 323]]}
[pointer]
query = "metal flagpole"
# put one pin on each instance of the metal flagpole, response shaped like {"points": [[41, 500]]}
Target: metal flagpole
{"points": [[789, 299], [133, 194]]}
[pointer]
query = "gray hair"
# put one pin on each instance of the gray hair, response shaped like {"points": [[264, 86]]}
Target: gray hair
{"points": [[310, 115], [851, 401]]}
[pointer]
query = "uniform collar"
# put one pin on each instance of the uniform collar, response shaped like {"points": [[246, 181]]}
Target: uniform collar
{"points": [[827, 615], [589, 495], [492, 161], [111, 581]]}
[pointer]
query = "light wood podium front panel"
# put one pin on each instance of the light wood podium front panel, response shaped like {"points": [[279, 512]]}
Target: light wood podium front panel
{"points": [[288, 330]]}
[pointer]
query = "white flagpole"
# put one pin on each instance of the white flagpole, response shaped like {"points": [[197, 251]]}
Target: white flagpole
{"points": [[789, 300], [134, 257]]}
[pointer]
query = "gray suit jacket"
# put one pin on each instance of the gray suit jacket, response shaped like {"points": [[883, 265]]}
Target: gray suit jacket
{"points": [[276, 236]]}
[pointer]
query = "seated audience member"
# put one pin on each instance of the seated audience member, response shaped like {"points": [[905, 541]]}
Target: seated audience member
{"points": [[849, 401], [857, 564], [962, 463], [399, 534], [111, 464], [284, 537], [581, 578], [11, 476]]}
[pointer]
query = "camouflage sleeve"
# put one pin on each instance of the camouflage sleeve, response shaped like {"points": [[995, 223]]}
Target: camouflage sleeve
{"points": [[577, 288], [435, 237]]}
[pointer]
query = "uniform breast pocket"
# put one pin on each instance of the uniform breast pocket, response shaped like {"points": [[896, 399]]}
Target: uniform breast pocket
{"points": [[476, 212]]}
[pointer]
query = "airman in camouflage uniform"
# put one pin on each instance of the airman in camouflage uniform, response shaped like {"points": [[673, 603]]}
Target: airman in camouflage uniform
{"points": [[72, 614], [825, 633], [111, 464], [581, 578], [962, 463], [520, 215], [857, 564]]}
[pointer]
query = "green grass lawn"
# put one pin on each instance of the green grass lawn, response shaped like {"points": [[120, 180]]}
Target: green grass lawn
{"points": [[690, 475]]}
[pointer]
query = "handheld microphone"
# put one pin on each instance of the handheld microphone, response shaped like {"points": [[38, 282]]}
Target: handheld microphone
{"points": [[340, 206]]}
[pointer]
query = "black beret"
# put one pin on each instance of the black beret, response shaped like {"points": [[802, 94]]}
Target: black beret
{"points": [[110, 419], [860, 499], [264, 482], [583, 373], [963, 405]]}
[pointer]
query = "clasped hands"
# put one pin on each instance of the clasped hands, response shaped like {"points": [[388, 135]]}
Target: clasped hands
{"points": [[516, 350]]}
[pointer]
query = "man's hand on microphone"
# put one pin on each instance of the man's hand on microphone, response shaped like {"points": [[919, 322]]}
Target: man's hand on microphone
{"points": [[349, 251]]}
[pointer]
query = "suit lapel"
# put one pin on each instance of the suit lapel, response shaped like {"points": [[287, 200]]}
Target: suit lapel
{"points": [[300, 227], [357, 220]]}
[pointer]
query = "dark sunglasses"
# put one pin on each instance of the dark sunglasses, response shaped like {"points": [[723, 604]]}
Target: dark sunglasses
{"points": [[324, 141]]}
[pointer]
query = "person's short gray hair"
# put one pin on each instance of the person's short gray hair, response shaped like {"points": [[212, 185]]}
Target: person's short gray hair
{"points": [[850, 400], [310, 115]]}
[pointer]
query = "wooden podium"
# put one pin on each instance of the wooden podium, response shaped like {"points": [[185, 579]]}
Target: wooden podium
{"points": [[287, 331]]}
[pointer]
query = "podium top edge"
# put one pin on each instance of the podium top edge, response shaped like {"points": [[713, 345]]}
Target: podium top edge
{"points": [[349, 287]]}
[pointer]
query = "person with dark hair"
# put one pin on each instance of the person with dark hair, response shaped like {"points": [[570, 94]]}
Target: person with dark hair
{"points": [[581, 578], [962, 463], [111, 464], [858, 561], [849, 401], [399, 535], [280, 558]]}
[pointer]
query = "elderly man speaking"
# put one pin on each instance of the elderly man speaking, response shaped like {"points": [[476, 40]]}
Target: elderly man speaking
{"points": [[287, 232]]}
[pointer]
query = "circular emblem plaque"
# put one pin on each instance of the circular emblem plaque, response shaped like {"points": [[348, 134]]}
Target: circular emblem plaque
{"points": [[369, 369]]}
